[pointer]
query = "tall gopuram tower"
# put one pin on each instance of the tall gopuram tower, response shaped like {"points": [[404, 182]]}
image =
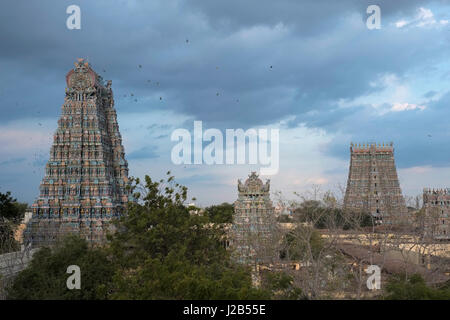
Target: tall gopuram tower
{"points": [[437, 213], [373, 185], [86, 176], [253, 221]]}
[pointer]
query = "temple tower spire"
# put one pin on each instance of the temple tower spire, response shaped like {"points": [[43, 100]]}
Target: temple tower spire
{"points": [[86, 176], [373, 184], [253, 221]]}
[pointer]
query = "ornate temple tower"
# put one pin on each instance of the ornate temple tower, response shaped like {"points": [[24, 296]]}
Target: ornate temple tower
{"points": [[373, 185], [437, 213], [86, 177], [253, 220]]}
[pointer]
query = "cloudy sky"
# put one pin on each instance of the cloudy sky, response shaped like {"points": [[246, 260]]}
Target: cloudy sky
{"points": [[311, 69]]}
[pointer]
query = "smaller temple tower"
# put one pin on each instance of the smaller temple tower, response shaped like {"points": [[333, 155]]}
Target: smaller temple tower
{"points": [[253, 221], [436, 203], [373, 185]]}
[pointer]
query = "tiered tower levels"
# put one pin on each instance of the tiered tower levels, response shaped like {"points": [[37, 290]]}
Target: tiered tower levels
{"points": [[372, 184], [436, 203], [86, 176], [253, 219]]}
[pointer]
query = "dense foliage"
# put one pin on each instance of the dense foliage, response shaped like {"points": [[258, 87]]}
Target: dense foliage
{"points": [[45, 277], [282, 286], [11, 213], [222, 213], [163, 249], [414, 288], [297, 247], [160, 250]]}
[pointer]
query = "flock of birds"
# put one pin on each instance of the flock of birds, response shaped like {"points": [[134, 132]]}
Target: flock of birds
{"points": [[157, 83], [40, 155]]}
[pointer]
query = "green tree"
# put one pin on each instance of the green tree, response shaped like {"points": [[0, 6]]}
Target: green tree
{"points": [[163, 252], [11, 213], [222, 213], [299, 247], [45, 277], [282, 286], [11, 209], [413, 288]]}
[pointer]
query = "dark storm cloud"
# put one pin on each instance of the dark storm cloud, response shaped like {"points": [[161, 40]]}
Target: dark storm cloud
{"points": [[320, 56], [245, 63], [308, 17]]}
